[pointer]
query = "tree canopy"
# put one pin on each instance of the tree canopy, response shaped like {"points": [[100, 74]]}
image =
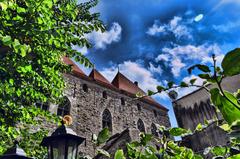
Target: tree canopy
{"points": [[34, 36]]}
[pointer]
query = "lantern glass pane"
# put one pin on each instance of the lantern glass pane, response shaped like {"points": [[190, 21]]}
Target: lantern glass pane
{"points": [[58, 149], [72, 149]]}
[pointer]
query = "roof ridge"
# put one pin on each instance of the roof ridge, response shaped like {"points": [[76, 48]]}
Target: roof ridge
{"points": [[96, 75], [75, 68]]}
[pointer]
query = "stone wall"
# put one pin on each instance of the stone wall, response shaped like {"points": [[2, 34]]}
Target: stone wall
{"points": [[87, 108], [196, 107]]}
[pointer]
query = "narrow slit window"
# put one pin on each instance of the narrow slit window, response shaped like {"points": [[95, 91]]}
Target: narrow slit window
{"points": [[139, 107], [85, 88], [104, 94], [122, 101], [64, 107], [154, 130]]}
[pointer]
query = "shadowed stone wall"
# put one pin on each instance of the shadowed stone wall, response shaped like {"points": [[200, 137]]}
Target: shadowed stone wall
{"points": [[196, 107]]}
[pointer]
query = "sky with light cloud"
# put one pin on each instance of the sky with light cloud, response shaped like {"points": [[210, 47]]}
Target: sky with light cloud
{"points": [[154, 41]]}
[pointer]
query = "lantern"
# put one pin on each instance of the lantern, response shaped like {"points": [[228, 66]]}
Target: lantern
{"points": [[15, 153], [63, 143]]}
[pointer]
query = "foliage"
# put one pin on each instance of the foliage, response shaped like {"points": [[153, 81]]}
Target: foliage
{"points": [[227, 103], [34, 36], [100, 139]]}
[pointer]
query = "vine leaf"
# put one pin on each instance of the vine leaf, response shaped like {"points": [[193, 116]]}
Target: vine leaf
{"points": [[178, 131], [103, 136], [203, 68], [229, 111], [103, 152], [119, 155], [192, 81], [230, 63]]}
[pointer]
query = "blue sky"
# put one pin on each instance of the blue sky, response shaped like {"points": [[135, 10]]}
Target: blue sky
{"points": [[154, 41]]}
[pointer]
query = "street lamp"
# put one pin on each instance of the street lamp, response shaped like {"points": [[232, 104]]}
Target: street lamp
{"points": [[63, 143], [15, 153]]}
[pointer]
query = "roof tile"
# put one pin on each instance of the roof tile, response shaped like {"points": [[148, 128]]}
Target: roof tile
{"points": [[75, 68], [123, 83], [98, 76]]}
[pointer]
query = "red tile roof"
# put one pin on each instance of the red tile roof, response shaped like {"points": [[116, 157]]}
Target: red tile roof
{"points": [[120, 82], [98, 76], [123, 83], [75, 69]]}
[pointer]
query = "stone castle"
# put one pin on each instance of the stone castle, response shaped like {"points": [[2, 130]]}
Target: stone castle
{"points": [[95, 103], [195, 108]]}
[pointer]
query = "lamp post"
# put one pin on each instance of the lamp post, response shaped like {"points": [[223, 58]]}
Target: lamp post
{"points": [[63, 143], [15, 153]]}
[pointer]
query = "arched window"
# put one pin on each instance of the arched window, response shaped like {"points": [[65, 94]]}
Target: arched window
{"points": [[140, 126], [139, 107], [122, 101], [154, 130], [43, 106], [64, 107], [85, 88], [104, 94], [107, 119]]}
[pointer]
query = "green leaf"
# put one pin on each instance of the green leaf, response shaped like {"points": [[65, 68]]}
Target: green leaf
{"points": [[103, 152], [234, 157], [219, 150], [199, 127], [21, 10], [229, 111], [183, 84], [178, 131], [149, 93], [103, 136], [160, 88], [225, 127], [204, 76], [170, 84], [11, 81], [192, 81], [4, 5], [119, 155], [7, 40], [230, 63], [203, 68], [145, 138]]}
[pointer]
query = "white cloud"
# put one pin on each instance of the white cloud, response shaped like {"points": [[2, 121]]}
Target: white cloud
{"points": [[227, 27], [109, 73], [187, 90], [100, 40], [177, 65], [164, 57], [198, 18], [154, 69], [193, 52], [174, 26], [178, 55], [179, 30], [155, 29], [209, 59], [83, 50], [199, 80]]}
